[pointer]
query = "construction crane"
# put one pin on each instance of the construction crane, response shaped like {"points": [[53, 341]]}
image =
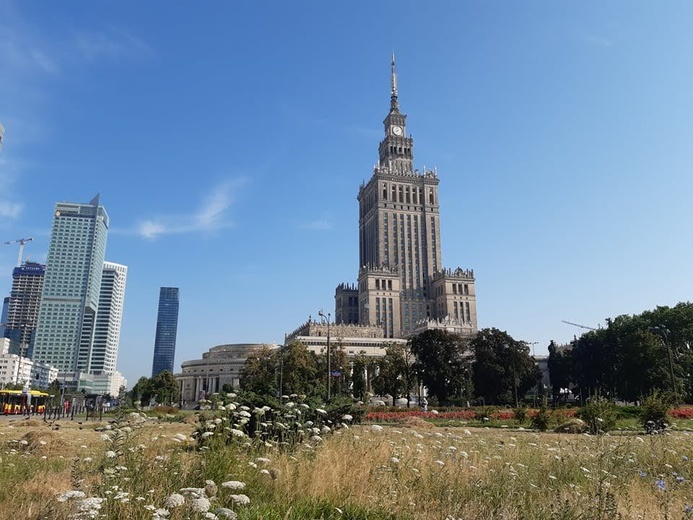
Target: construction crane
{"points": [[578, 325], [21, 242]]}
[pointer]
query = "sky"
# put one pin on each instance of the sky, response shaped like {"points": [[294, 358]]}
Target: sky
{"points": [[228, 141]]}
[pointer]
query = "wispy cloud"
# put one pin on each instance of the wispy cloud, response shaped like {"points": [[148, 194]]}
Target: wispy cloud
{"points": [[111, 43], [598, 41], [10, 209], [323, 223], [212, 215]]}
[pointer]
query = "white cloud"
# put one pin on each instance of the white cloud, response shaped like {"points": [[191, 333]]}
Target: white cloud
{"points": [[9, 209], [598, 41], [317, 225], [110, 43], [211, 216]]}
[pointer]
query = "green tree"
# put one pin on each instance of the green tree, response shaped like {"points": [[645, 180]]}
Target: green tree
{"points": [[503, 369], [443, 363], [165, 388], [300, 372], [142, 391], [560, 369], [259, 373], [395, 373]]}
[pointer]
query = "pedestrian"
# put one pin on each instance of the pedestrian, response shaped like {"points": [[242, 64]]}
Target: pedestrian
{"points": [[424, 404]]}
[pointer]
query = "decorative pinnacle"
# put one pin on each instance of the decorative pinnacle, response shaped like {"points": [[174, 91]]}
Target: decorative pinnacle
{"points": [[394, 105]]}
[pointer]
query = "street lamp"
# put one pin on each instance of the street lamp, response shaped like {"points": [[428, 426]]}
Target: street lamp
{"points": [[329, 355]]}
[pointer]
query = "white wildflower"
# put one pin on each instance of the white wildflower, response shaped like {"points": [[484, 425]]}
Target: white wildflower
{"points": [[240, 499], [200, 505], [67, 495], [225, 512], [233, 484], [376, 428], [111, 454], [175, 500], [321, 411]]}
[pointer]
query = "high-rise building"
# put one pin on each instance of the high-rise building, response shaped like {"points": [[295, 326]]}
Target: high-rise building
{"points": [[103, 354], [402, 286], [166, 330], [72, 284], [23, 307]]}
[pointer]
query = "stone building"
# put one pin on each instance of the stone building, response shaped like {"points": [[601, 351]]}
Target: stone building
{"points": [[219, 366], [402, 285], [354, 339]]}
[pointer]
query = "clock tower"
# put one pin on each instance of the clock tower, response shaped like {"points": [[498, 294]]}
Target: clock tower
{"points": [[396, 149]]}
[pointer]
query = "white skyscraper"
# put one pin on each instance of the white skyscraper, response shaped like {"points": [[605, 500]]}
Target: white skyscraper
{"points": [[72, 285], [103, 354]]}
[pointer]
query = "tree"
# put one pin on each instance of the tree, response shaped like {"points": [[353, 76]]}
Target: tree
{"points": [[359, 379], [165, 388], [299, 371], [442, 363], [503, 370], [259, 373], [395, 374], [142, 391], [559, 365]]}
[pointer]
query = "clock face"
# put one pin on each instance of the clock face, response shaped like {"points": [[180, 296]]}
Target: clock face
{"points": [[397, 130]]}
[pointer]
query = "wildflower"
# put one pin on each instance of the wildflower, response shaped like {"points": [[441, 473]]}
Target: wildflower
{"points": [[160, 514], [240, 499], [661, 484], [67, 495], [207, 434], [236, 433], [264, 472], [643, 474], [263, 459], [224, 512], [680, 479], [200, 505], [376, 428], [233, 484], [321, 411], [174, 500], [111, 454], [394, 460]]}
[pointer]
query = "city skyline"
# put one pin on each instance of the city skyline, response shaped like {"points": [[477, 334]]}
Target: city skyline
{"points": [[229, 159]]}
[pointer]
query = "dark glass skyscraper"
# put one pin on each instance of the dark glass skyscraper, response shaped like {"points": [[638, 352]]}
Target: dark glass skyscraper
{"points": [[166, 328]]}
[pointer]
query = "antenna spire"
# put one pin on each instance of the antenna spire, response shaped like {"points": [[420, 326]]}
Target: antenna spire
{"points": [[394, 104]]}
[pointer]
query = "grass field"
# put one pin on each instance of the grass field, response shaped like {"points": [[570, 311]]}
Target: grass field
{"points": [[132, 470]]}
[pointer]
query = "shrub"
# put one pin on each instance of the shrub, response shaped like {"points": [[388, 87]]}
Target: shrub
{"points": [[521, 414], [654, 412], [542, 419], [599, 414]]}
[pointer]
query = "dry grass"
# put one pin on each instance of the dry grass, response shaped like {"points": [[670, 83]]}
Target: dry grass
{"points": [[416, 471]]}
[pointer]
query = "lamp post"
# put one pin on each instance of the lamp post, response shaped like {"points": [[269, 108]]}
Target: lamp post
{"points": [[329, 355]]}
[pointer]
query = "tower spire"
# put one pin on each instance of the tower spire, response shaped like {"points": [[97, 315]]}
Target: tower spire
{"points": [[394, 104]]}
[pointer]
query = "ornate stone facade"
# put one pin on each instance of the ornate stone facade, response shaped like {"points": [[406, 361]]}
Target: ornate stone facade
{"points": [[402, 285], [219, 366]]}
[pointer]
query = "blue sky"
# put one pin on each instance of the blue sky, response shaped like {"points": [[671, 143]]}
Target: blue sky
{"points": [[228, 141]]}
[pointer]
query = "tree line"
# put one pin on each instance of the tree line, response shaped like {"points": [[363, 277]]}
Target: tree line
{"points": [[490, 367], [630, 358]]}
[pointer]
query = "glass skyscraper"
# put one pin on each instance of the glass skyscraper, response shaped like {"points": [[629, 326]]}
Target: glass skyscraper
{"points": [[166, 329], [72, 284]]}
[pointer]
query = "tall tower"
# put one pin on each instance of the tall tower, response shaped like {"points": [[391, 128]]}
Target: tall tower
{"points": [[103, 355], [166, 329], [72, 284], [399, 228], [402, 286], [23, 307]]}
